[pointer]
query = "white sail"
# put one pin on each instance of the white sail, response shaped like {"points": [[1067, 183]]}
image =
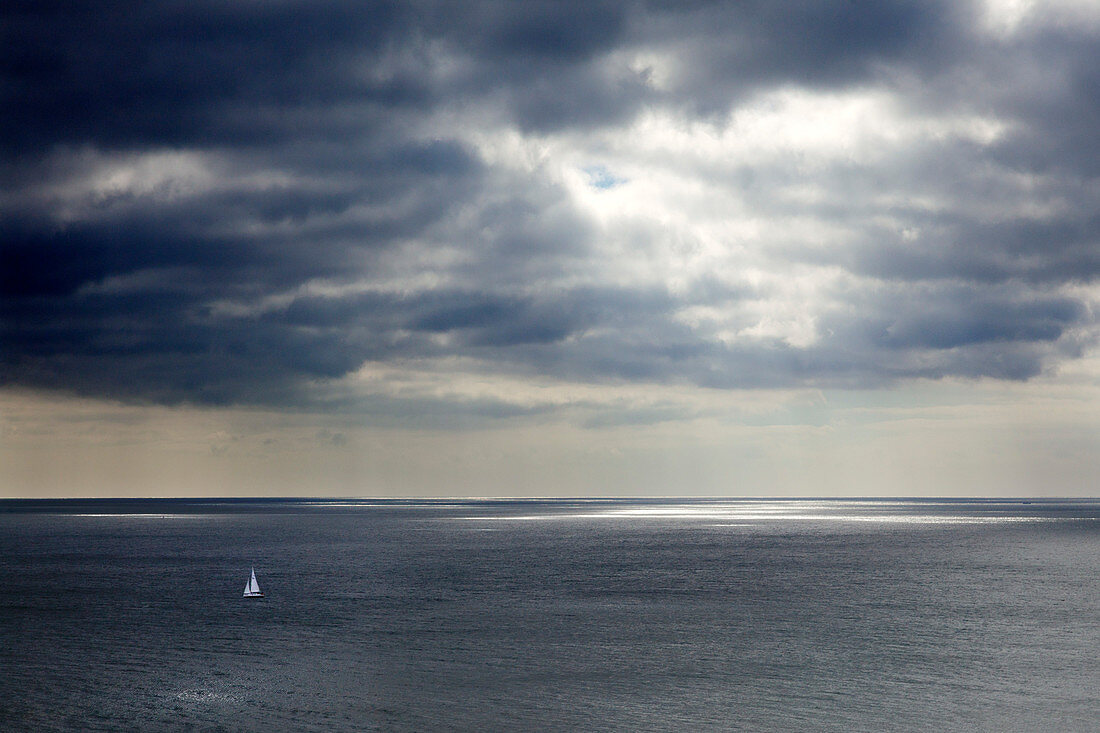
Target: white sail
{"points": [[252, 588]]}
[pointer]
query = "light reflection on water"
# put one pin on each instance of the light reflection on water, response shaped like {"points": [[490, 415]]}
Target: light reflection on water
{"points": [[764, 516], [801, 511]]}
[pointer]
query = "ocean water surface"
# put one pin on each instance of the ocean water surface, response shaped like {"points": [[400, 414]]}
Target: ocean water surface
{"points": [[634, 615]]}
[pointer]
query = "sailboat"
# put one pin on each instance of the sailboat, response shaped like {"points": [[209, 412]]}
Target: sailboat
{"points": [[252, 589]]}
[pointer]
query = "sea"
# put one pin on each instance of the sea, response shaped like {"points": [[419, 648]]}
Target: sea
{"points": [[550, 615]]}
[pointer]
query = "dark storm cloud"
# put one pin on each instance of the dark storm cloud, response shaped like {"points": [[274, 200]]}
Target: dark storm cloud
{"points": [[731, 49], [171, 74], [180, 74], [1060, 251], [331, 142]]}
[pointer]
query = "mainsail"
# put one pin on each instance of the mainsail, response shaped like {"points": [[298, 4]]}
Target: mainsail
{"points": [[252, 588]]}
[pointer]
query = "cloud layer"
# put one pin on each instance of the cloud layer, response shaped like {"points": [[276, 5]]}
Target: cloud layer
{"points": [[260, 203]]}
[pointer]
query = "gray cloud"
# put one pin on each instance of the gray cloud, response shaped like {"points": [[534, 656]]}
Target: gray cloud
{"points": [[235, 204]]}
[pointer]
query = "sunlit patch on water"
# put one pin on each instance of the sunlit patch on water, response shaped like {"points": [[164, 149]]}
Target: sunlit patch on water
{"points": [[206, 697], [750, 513]]}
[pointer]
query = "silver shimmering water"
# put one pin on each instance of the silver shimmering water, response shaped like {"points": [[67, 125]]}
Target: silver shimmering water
{"points": [[551, 615]]}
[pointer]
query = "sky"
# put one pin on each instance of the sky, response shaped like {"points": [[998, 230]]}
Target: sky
{"points": [[490, 248]]}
